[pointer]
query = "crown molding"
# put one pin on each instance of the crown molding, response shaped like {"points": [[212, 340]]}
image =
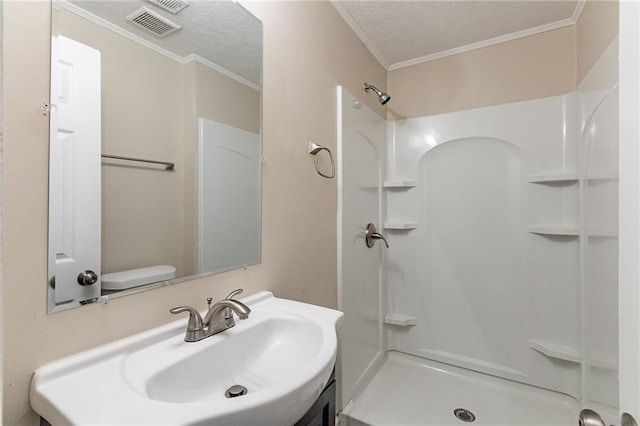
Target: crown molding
{"points": [[455, 51], [197, 58], [342, 11], [578, 10], [485, 43]]}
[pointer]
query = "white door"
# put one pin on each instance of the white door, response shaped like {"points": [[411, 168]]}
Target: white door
{"points": [[74, 172], [629, 248]]}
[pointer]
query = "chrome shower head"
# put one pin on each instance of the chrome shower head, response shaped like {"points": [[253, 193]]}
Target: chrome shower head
{"points": [[382, 96]]}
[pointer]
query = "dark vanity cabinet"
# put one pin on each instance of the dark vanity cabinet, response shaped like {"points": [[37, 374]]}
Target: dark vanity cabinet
{"points": [[323, 411]]}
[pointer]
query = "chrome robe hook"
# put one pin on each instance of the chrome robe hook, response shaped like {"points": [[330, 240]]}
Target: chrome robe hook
{"points": [[314, 149]]}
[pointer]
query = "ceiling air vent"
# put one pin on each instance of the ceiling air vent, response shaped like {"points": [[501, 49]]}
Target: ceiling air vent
{"points": [[151, 21], [173, 6]]}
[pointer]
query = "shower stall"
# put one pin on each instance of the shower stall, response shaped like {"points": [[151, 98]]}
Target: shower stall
{"points": [[496, 301]]}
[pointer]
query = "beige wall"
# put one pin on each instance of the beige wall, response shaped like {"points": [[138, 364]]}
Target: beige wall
{"points": [[308, 50], [225, 100], [596, 28], [532, 67], [545, 64]]}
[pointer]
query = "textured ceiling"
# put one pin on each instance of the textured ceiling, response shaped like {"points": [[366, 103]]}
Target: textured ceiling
{"points": [[222, 32], [400, 33]]}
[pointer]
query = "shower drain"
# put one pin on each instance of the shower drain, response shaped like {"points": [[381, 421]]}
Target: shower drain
{"points": [[464, 415]]}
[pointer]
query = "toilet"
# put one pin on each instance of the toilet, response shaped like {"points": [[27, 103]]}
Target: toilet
{"points": [[136, 277]]}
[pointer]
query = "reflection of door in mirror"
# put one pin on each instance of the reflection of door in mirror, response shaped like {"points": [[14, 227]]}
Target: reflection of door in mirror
{"points": [[74, 190]]}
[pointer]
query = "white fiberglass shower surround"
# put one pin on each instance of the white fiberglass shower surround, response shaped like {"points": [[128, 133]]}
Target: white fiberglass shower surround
{"points": [[497, 299]]}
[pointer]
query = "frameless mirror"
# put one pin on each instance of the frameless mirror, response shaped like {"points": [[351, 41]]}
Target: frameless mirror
{"points": [[155, 152]]}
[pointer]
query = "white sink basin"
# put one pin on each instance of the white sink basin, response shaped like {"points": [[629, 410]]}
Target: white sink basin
{"points": [[283, 354]]}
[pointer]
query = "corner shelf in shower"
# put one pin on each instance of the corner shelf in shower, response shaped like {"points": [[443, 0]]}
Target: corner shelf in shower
{"points": [[554, 178], [554, 350], [400, 225], [559, 230], [570, 178], [571, 231], [567, 353], [400, 184], [391, 185], [400, 320]]}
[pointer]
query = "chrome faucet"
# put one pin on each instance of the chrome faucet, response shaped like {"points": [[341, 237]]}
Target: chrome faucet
{"points": [[219, 317]]}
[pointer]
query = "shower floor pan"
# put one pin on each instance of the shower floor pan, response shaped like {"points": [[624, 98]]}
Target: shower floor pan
{"points": [[409, 391]]}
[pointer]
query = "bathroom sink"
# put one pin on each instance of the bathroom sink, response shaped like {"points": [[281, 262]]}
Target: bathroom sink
{"points": [[283, 355], [258, 357]]}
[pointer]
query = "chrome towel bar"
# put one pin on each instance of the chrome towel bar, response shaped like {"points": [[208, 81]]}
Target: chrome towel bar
{"points": [[168, 165]]}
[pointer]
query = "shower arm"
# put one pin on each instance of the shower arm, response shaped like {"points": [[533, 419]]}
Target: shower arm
{"points": [[368, 87]]}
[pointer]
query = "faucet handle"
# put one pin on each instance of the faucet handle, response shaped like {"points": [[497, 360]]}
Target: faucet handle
{"points": [[209, 300], [195, 327], [195, 320], [234, 293]]}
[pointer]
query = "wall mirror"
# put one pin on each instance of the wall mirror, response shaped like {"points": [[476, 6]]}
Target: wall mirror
{"points": [[155, 150]]}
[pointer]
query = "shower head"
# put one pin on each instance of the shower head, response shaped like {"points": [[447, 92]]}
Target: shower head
{"points": [[382, 96]]}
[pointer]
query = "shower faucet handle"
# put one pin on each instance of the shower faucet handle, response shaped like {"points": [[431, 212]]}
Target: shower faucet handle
{"points": [[590, 418], [379, 236], [370, 236]]}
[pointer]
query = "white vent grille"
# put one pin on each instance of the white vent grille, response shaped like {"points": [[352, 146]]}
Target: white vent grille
{"points": [[153, 22], [173, 6]]}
